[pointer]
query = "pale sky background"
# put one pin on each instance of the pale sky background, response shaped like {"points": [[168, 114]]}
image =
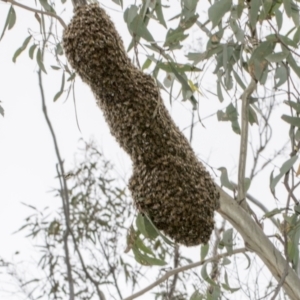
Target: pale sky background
{"points": [[27, 157]]}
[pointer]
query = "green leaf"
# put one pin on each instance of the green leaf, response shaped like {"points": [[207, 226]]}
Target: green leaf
{"points": [[204, 251], [294, 121], [215, 294], [226, 285], [205, 275], [293, 64], [247, 183], [281, 73], [265, 11], [145, 227], [257, 61], [278, 16], [47, 6], [232, 114], [59, 49], [254, 9], [159, 13], [219, 92], [153, 227], [287, 7], [295, 16], [287, 41], [1, 111], [31, 50], [294, 105], [21, 49], [226, 261], [10, 20], [248, 259], [273, 213], [146, 260], [138, 29], [187, 92], [168, 80], [286, 166], [174, 37], [130, 13], [296, 37], [146, 64], [39, 60], [141, 246], [252, 116], [118, 2], [61, 88], [238, 80], [197, 296], [180, 68], [217, 11], [277, 57], [227, 240], [55, 68]]}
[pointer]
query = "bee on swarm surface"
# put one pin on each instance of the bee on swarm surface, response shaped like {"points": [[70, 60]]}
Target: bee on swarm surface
{"points": [[166, 171]]}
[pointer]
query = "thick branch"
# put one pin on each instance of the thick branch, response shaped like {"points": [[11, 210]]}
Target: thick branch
{"points": [[256, 240]]}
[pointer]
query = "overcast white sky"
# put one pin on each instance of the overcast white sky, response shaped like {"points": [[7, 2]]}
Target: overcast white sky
{"points": [[27, 158]]}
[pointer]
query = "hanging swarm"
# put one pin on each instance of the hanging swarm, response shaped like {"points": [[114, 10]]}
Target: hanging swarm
{"points": [[168, 182]]}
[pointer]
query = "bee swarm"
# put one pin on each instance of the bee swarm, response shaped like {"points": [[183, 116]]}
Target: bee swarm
{"points": [[168, 183]]}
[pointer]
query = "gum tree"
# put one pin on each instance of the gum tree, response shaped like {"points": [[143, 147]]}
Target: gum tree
{"points": [[250, 49]]}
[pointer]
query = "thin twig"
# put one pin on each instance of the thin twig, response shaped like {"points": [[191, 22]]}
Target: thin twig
{"points": [[112, 270], [176, 263], [60, 170], [285, 237], [182, 269], [60, 20], [215, 265], [64, 191]]}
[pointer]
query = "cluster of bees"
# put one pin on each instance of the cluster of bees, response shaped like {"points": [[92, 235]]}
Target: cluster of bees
{"points": [[168, 184]]}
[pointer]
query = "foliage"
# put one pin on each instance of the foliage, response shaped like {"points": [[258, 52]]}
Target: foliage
{"points": [[242, 41]]}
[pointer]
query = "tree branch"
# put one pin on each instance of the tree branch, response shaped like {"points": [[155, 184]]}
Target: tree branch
{"points": [[257, 241], [244, 143], [60, 20], [182, 269]]}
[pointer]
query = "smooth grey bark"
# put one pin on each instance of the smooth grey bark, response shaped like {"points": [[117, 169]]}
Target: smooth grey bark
{"points": [[257, 241]]}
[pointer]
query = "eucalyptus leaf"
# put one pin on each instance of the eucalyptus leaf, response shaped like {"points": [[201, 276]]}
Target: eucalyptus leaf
{"points": [[286, 166], [31, 50], [39, 60], [159, 13], [254, 9], [279, 19], [293, 64], [277, 57], [61, 88], [281, 74], [145, 259], [22, 48], [204, 251], [294, 105], [197, 296], [205, 276], [227, 240], [10, 21], [217, 11], [294, 121]]}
